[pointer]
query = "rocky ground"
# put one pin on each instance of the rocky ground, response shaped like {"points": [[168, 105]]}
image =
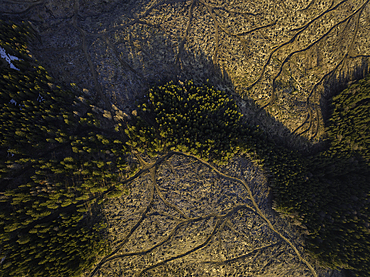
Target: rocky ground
{"points": [[281, 60]]}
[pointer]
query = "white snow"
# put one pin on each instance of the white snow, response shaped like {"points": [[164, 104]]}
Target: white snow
{"points": [[8, 58]]}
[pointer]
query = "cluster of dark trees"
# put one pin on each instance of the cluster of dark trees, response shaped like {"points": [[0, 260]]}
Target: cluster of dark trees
{"points": [[330, 191], [14, 40], [349, 125], [57, 165], [188, 118], [341, 235]]}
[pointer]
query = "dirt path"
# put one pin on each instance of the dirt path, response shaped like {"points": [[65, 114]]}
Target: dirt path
{"points": [[185, 215], [257, 209]]}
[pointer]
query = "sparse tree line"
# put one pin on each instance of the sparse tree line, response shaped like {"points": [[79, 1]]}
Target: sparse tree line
{"points": [[58, 165]]}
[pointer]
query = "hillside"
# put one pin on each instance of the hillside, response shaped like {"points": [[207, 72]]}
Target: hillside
{"points": [[260, 172]]}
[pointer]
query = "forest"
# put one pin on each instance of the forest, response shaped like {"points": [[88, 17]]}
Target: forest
{"points": [[60, 160], [57, 167]]}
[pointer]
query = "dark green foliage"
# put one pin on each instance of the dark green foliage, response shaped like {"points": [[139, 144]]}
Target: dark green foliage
{"points": [[55, 166], [198, 120], [344, 173], [62, 247], [349, 125], [332, 199]]}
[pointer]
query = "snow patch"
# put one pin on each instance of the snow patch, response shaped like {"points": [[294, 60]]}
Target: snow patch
{"points": [[8, 58]]}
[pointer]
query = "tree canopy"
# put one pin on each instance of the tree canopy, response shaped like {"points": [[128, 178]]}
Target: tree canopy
{"points": [[188, 118]]}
